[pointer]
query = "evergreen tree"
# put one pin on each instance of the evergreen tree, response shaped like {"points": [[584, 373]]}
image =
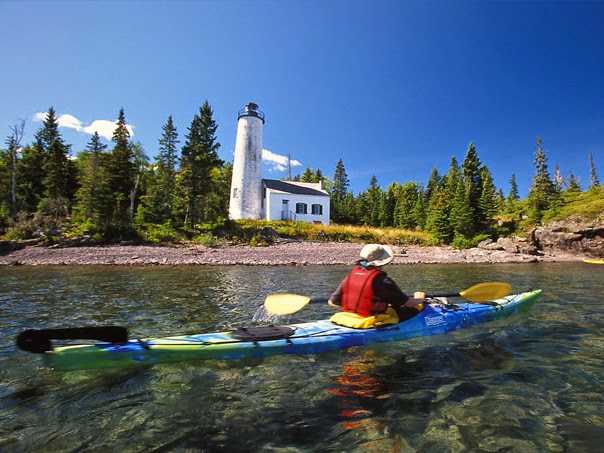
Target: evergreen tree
{"points": [[420, 209], [122, 170], [472, 179], [339, 191], [141, 165], [406, 200], [542, 190], [488, 203], [308, 175], [93, 196], [438, 216], [513, 196], [461, 217], [158, 206], [59, 178], [593, 176], [389, 205], [199, 163], [318, 176], [30, 174], [374, 196], [573, 184]]}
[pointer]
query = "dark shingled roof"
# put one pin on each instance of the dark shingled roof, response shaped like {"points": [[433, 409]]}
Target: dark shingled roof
{"points": [[285, 186]]}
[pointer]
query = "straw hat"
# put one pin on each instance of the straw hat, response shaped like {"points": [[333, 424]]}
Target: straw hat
{"points": [[376, 254]]}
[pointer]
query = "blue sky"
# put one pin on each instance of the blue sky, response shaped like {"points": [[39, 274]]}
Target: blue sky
{"points": [[393, 88]]}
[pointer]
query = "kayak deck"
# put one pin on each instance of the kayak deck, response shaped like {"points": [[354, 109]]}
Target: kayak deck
{"points": [[307, 338]]}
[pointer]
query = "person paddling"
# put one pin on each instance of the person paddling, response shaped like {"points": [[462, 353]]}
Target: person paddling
{"points": [[368, 292]]}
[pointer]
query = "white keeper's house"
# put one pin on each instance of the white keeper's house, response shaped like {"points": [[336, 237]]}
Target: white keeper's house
{"points": [[255, 198]]}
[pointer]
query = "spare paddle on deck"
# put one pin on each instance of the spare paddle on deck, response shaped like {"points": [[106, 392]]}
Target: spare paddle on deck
{"points": [[38, 341], [286, 304]]}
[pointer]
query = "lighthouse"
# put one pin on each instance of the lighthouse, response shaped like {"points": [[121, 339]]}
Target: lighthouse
{"points": [[246, 184]]}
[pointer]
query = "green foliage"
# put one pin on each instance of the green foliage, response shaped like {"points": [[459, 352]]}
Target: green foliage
{"points": [[461, 242]]}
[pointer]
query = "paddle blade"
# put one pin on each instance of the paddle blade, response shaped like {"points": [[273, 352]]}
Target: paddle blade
{"points": [[484, 292], [285, 304]]}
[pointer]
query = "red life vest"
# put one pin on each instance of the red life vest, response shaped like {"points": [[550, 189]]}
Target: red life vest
{"points": [[357, 293]]}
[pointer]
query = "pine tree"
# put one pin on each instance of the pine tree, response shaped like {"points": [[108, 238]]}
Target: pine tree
{"points": [[198, 164], [405, 206], [438, 217], [488, 203], [30, 174], [122, 173], [472, 179], [158, 205], [93, 196], [374, 196], [339, 191], [513, 196], [593, 176], [308, 175], [573, 184], [319, 176], [542, 190], [58, 179]]}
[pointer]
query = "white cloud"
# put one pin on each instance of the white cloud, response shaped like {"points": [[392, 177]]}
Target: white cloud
{"points": [[277, 162], [104, 128]]}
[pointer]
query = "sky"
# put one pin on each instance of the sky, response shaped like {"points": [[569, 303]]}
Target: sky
{"points": [[393, 88]]}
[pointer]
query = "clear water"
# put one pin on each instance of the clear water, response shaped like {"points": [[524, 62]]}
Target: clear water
{"points": [[529, 383]]}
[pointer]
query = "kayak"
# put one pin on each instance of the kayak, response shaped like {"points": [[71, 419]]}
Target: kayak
{"points": [[437, 317], [594, 261]]}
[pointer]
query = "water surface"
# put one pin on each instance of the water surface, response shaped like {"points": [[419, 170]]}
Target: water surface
{"points": [[529, 383]]}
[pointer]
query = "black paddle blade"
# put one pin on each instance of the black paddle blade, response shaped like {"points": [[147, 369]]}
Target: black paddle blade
{"points": [[38, 341]]}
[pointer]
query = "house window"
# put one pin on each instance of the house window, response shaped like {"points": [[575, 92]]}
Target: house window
{"points": [[317, 209], [301, 208]]}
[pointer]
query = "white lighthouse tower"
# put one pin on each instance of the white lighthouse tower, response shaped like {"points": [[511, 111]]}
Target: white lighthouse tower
{"points": [[246, 185]]}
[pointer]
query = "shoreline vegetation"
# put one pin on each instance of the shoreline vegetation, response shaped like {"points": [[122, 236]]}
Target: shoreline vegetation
{"points": [[284, 252]]}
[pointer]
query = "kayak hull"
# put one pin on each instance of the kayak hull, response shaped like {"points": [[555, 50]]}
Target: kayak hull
{"points": [[308, 338]]}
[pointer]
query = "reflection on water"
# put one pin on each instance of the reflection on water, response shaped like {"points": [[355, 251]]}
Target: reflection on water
{"points": [[526, 383]]}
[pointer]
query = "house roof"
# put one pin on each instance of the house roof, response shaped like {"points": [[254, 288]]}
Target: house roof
{"points": [[299, 188]]}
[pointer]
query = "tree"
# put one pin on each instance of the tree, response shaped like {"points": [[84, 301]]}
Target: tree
{"points": [[374, 196], [573, 184], [488, 203], [339, 191], [121, 172], [473, 179], [513, 196], [14, 144], [59, 178], [198, 162], [593, 176], [308, 175], [158, 206], [141, 164], [542, 190], [93, 196]]}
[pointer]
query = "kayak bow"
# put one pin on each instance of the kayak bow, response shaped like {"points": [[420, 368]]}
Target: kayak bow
{"points": [[437, 317]]}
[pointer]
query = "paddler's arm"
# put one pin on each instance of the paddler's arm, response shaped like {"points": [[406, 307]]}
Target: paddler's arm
{"points": [[335, 300]]}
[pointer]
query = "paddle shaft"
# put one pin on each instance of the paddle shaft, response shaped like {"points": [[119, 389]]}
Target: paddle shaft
{"points": [[38, 340]]}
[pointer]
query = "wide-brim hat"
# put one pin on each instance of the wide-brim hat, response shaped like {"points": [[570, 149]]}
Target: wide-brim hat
{"points": [[377, 254]]}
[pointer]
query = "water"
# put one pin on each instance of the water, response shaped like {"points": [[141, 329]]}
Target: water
{"points": [[529, 383]]}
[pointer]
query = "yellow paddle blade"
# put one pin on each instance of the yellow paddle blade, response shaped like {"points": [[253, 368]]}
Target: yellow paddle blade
{"points": [[484, 292], [285, 304]]}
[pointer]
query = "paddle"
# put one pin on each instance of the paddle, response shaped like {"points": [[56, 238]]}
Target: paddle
{"points": [[286, 304], [38, 341]]}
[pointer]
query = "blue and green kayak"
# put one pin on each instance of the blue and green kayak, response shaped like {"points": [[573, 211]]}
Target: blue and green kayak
{"points": [[437, 317]]}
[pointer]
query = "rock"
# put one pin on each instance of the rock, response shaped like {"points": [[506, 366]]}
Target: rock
{"points": [[9, 246]]}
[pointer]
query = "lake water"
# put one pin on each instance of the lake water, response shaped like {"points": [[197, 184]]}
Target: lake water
{"points": [[529, 383]]}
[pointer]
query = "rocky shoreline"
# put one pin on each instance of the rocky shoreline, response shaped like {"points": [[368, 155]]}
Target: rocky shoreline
{"points": [[290, 253]]}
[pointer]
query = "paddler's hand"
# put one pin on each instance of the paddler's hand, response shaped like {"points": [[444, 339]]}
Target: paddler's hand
{"points": [[331, 304], [417, 301]]}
